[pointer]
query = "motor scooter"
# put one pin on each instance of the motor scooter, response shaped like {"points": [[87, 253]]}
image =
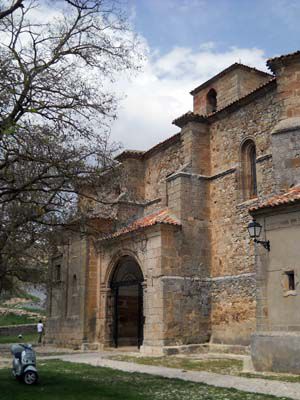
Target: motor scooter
{"points": [[24, 363]]}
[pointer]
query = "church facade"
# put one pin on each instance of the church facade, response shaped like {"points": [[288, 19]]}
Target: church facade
{"points": [[172, 265]]}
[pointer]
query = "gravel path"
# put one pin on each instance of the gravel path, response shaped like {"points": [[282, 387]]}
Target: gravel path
{"points": [[253, 385]]}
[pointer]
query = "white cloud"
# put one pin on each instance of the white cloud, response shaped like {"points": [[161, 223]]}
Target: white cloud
{"points": [[161, 93]]}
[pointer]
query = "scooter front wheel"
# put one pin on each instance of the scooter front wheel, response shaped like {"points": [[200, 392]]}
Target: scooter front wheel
{"points": [[30, 377]]}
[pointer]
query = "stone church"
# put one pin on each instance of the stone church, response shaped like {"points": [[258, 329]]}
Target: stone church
{"points": [[168, 264]]}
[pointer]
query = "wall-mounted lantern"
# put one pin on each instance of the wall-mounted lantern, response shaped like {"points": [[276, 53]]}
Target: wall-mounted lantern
{"points": [[254, 229]]}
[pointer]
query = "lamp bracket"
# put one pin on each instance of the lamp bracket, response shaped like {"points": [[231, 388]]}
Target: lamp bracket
{"points": [[264, 243]]}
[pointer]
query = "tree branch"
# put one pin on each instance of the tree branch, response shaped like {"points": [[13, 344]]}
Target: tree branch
{"points": [[10, 10]]}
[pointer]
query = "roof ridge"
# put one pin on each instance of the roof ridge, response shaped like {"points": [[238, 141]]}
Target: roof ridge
{"points": [[273, 79], [225, 71], [272, 61]]}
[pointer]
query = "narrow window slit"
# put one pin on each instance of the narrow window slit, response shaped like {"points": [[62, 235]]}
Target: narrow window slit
{"points": [[291, 280]]}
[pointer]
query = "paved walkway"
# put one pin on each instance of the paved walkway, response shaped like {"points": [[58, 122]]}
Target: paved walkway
{"points": [[264, 386]]}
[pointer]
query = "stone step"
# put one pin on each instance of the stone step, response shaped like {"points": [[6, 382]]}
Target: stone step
{"points": [[207, 348]]}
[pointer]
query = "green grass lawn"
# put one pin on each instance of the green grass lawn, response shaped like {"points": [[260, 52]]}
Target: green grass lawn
{"points": [[33, 310], [273, 377], [219, 366], [14, 319], [65, 381], [29, 338]]}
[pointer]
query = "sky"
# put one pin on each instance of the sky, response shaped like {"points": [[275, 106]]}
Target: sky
{"points": [[188, 42]]}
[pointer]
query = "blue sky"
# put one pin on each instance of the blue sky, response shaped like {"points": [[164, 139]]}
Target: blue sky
{"points": [[272, 25], [189, 41]]}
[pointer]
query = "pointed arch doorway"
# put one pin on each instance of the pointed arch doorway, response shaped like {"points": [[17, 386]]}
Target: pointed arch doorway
{"points": [[127, 291]]}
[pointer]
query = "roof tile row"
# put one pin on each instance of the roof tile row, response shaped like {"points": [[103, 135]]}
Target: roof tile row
{"points": [[160, 217], [290, 197]]}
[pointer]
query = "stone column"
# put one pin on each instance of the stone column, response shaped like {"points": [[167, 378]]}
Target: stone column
{"points": [[286, 153], [195, 137], [286, 134]]}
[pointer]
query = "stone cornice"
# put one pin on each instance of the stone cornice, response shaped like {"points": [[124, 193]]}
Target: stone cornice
{"points": [[274, 63], [189, 117]]}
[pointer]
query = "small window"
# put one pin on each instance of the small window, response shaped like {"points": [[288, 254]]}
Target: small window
{"points": [[290, 280], [211, 101], [248, 160], [57, 273]]}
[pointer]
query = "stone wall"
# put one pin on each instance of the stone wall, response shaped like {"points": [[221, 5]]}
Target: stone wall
{"points": [[66, 305], [158, 167], [186, 311], [199, 280], [16, 330], [145, 249], [286, 149], [233, 308], [232, 253], [276, 343], [229, 87]]}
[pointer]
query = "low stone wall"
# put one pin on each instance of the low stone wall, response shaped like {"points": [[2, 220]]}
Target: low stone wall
{"points": [[15, 330], [276, 352]]}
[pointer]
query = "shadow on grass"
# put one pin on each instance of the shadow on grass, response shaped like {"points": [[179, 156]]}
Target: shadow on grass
{"points": [[27, 338], [66, 381]]}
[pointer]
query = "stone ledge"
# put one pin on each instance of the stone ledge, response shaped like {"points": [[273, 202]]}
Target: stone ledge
{"points": [[195, 348], [287, 125], [15, 330]]}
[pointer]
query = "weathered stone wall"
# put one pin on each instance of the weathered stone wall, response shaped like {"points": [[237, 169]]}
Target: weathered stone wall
{"points": [[233, 308], [286, 149], [133, 179], [288, 85], [186, 305], [232, 253], [285, 138], [66, 320], [16, 330], [146, 250], [188, 199], [157, 167], [199, 280], [92, 293], [176, 308], [250, 80], [277, 308], [276, 344], [230, 87]]}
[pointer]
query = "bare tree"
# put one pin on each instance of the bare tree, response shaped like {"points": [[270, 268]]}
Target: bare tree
{"points": [[9, 9], [55, 113]]}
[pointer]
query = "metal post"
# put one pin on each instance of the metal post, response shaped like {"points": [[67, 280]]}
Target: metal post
{"points": [[140, 316], [116, 316]]}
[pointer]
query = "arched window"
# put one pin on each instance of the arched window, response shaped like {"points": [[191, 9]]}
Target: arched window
{"points": [[248, 158], [211, 101]]}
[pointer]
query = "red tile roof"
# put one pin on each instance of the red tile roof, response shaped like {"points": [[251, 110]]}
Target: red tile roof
{"points": [[160, 217], [290, 197]]}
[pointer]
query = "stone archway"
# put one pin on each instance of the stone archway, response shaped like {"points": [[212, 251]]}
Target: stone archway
{"points": [[127, 295]]}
